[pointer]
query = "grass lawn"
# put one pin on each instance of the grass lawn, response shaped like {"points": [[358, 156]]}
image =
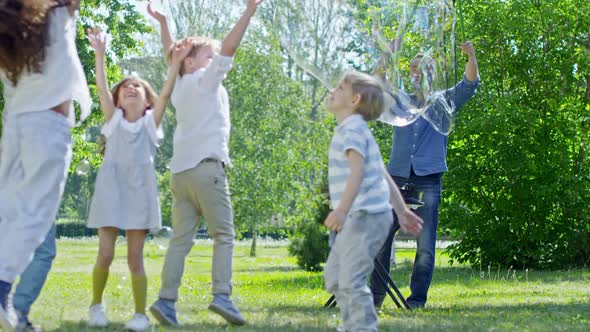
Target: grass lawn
{"points": [[274, 295]]}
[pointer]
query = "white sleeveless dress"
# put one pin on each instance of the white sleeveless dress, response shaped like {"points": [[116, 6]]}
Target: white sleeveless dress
{"points": [[126, 193]]}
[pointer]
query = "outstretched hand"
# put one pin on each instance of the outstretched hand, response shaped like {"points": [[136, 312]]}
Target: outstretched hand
{"points": [[467, 48], [155, 14], [179, 51], [97, 39], [410, 222], [253, 5]]}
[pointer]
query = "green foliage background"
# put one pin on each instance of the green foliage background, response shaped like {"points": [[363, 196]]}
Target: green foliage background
{"points": [[518, 187]]}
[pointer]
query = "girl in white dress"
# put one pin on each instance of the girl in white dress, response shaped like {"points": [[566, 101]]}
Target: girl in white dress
{"points": [[126, 194]]}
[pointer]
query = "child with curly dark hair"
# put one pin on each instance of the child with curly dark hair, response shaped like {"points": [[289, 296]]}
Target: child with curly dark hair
{"points": [[41, 76]]}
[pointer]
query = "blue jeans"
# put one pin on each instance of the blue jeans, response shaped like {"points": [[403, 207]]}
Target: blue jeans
{"points": [[33, 278], [426, 242]]}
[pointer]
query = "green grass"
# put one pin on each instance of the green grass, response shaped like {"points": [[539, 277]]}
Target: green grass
{"points": [[274, 295]]}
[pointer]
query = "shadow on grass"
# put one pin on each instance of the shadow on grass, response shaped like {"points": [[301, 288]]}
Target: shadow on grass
{"points": [[401, 277], [534, 317], [287, 309], [264, 327]]}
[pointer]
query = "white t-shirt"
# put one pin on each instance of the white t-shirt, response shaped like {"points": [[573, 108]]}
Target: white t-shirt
{"points": [[202, 116], [353, 133], [61, 77]]}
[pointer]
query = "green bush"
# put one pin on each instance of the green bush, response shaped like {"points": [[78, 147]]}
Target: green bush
{"points": [[73, 229], [310, 246], [309, 243]]}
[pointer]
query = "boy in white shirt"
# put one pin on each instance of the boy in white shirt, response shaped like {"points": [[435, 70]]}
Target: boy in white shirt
{"points": [[199, 184]]}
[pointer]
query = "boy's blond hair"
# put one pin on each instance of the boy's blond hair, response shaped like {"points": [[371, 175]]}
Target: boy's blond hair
{"points": [[371, 91], [197, 43]]}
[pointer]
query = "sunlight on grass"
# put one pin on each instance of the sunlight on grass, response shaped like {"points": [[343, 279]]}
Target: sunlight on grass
{"points": [[274, 294]]}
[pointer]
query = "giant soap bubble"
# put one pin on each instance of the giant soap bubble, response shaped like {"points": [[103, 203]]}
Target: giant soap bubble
{"points": [[320, 37], [327, 37], [422, 58]]}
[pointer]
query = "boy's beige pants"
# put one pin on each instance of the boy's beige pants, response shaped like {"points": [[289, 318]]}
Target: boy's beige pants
{"points": [[200, 191]]}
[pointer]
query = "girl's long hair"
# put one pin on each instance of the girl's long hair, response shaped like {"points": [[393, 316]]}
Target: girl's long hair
{"points": [[24, 36], [150, 95]]}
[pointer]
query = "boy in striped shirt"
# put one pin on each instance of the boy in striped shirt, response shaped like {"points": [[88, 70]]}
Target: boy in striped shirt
{"points": [[362, 195]]}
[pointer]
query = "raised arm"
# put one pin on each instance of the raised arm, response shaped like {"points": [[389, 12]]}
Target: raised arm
{"points": [[73, 6], [380, 71], [380, 67], [165, 35], [471, 68], [179, 52], [98, 43], [234, 38], [467, 87]]}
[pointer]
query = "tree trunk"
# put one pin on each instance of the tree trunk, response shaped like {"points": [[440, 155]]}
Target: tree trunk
{"points": [[253, 246]]}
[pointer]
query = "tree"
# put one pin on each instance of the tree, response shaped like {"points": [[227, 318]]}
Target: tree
{"points": [[277, 150], [517, 190], [519, 186], [316, 36]]}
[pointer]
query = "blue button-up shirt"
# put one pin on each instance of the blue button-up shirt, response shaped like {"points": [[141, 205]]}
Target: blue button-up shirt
{"points": [[419, 146]]}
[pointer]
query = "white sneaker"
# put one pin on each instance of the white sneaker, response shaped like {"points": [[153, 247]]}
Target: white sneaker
{"points": [[139, 322], [97, 316]]}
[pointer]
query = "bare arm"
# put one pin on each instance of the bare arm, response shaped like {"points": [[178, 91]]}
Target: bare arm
{"points": [[471, 68], [234, 38], [165, 35], [179, 52], [98, 43], [380, 68], [356, 163], [74, 6], [380, 71]]}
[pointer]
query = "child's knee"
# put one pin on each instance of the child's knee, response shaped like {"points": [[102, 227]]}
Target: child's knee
{"points": [[135, 263], [224, 239], [331, 281], [105, 258], [224, 233], [331, 285], [182, 243]]}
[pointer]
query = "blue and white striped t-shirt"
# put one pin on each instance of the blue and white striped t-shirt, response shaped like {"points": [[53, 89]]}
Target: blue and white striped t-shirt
{"points": [[373, 195]]}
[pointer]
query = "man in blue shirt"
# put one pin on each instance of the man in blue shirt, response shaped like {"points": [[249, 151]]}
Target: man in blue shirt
{"points": [[418, 156]]}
